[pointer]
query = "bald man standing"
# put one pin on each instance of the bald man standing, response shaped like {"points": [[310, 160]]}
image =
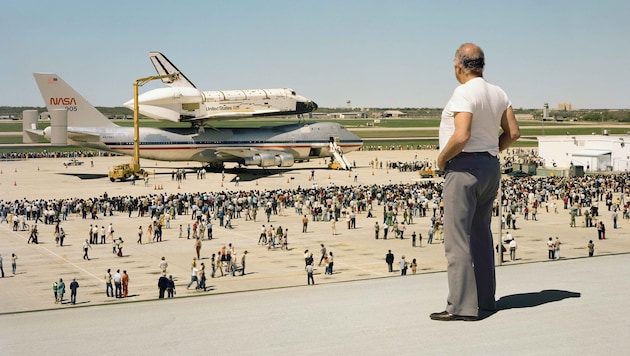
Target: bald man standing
{"points": [[469, 148]]}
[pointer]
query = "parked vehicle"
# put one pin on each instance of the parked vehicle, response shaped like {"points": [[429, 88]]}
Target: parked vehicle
{"points": [[72, 162]]}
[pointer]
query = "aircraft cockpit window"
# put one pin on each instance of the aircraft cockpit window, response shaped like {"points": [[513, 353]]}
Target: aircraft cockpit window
{"points": [[293, 92]]}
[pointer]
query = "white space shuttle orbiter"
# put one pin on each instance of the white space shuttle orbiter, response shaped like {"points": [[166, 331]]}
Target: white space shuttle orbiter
{"points": [[181, 101]]}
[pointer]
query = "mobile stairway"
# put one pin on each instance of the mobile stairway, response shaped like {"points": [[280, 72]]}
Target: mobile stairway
{"points": [[338, 153]]}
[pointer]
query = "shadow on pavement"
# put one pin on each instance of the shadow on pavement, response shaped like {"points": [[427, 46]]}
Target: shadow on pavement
{"points": [[533, 299], [86, 176], [528, 300]]}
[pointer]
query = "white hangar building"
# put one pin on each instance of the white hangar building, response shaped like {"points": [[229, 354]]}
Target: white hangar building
{"points": [[593, 152]]}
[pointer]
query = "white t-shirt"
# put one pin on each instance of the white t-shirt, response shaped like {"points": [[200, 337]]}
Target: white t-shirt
{"points": [[486, 102]]}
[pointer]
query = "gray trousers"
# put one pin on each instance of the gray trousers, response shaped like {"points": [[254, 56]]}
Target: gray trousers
{"points": [[470, 188]]}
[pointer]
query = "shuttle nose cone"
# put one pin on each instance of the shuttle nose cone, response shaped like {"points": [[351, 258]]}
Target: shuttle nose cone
{"points": [[303, 107]]}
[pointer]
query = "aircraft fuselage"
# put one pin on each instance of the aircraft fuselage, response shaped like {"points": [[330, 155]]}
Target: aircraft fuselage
{"points": [[293, 142]]}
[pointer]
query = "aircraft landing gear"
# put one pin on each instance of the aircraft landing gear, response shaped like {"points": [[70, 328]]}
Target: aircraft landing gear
{"points": [[214, 167]]}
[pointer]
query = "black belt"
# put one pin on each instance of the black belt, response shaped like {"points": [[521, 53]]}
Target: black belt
{"points": [[477, 154]]}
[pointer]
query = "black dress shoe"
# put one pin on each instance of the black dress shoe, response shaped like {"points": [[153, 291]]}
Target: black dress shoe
{"points": [[446, 316]]}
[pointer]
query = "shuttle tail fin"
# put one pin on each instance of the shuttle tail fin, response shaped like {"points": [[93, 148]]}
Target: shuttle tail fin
{"points": [[57, 94], [164, 67]]}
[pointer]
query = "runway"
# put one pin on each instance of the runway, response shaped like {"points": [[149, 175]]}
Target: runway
{"points": [[560, 308]]}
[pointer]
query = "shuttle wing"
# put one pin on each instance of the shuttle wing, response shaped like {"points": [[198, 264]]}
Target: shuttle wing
{"points": [[235, 114], [168, 113]]}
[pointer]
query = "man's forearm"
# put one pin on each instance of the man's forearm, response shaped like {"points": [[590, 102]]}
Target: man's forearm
{"points": [[506, 141]]}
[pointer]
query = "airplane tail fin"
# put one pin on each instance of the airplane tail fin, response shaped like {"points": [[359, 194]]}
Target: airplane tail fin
{"points": [[58, 94], [164, 67]]}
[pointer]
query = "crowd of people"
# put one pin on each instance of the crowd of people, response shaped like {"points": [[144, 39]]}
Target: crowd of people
{"points": [[398, 147], [10, 156], [399, 204], [395, 206]]}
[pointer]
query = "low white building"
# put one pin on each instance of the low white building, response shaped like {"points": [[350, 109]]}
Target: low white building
{"points": [[593, 152]]}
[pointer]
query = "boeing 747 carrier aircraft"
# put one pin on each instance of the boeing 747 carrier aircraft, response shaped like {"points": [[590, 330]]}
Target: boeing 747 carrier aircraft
{"points": [[182, 101], [261, 146]]}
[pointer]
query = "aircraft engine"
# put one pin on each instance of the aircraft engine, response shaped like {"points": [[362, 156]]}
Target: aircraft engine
{"points": [[267, 159], [284, 159]]}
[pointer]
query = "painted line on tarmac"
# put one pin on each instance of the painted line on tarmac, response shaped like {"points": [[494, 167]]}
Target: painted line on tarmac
{"points": [[14, 233]]}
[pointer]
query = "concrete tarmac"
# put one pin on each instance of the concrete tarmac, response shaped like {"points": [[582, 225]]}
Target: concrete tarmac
{"points": [[356, 309], [564, 307]]}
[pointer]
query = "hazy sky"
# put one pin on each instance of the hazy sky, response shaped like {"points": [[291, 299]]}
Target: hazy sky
{"points": [[375, 53]]}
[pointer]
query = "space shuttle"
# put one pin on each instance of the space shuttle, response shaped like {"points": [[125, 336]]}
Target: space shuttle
{"points": [[267, 146], [181, 101]]}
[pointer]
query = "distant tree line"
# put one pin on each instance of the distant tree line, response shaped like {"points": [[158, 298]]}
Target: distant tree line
{"points": [[608, 115]]}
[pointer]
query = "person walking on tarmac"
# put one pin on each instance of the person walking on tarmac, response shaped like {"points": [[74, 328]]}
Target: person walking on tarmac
{"points": [[86, 246]]}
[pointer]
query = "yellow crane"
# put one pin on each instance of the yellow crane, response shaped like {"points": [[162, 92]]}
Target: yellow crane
{"points": [[127, 170]]}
